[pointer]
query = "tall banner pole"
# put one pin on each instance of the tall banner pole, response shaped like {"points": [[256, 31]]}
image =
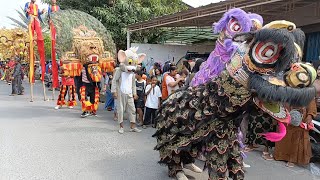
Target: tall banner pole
{"points": [[31, 60], [44, 92], [55, 77]]}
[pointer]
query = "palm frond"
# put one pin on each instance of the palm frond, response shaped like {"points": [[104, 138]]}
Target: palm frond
{"points": [[22, 16], [18, 23]]}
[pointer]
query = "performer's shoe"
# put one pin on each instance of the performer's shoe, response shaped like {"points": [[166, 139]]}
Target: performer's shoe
{"points": [[121, 131], [57, 107], [135, 130], [201, 157], [181, 176], [70, 107], [84, 114], [193, 168], [93, 114], [246, 165]]}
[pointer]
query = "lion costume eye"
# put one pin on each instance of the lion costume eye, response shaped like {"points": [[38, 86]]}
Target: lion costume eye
{"points": [[234, 26], [266, 53]]}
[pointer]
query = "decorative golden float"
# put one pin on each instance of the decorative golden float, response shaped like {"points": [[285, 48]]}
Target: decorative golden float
{"points": [[14, 42]]}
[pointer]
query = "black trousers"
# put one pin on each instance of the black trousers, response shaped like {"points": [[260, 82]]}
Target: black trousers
{"points": [[90, 92], [149, 116]]}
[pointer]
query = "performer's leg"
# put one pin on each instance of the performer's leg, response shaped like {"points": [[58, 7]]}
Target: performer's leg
{"points": [[19, 85], [72, 95], [188, 162], [96, 99], [225, 157], [235, 163], [153, 117], [14, 86], [175, 166], [69, 88], [83, 99], [147, 116], [61, 97], [91, 93], [67, 92], [120, 109], [131, 111]]}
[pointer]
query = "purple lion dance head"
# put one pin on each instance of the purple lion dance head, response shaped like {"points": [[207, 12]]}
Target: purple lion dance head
{"points": [[233, 22]]}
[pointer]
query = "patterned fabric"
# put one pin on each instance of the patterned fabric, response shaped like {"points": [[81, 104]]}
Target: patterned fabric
{"points": [[64, 89], [259, 122], [203, 120], [94, 94]]}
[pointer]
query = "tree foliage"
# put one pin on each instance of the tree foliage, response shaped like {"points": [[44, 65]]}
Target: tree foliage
{"points": [[66, 20], [116, 16]]}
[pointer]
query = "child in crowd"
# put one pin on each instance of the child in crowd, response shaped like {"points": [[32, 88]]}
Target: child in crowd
{"points": [[109, 105], [158, 75], [140, 101], [153, 94]]}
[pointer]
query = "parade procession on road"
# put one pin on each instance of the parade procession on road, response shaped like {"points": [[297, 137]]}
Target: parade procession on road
{"points": [[253, 90]]}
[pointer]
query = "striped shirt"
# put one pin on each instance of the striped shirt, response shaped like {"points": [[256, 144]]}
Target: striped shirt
{"points": [[84, 75]]}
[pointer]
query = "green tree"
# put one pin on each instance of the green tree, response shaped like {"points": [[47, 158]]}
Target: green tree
{"points": [[116, 15], [47, 45]]}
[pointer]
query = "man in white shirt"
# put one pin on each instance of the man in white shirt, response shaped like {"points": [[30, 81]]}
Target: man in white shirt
{"points": [[172, 84]]}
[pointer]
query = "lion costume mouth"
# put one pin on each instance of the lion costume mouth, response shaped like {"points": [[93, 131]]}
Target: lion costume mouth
{"points": [[272, 98], [93, 58], [268, 92]]}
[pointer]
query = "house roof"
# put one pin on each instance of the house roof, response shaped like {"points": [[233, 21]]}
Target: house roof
{"points": [[302, 12]]}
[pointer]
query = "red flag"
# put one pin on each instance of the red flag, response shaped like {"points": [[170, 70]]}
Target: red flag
{"points": [[55, 78], [42, 58]]}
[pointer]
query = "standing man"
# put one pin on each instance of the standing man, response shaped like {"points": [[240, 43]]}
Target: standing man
{"points": [[16, 79], [89, 88]]}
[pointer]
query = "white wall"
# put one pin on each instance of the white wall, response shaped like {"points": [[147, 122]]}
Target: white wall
{"points": [[162, 53]]}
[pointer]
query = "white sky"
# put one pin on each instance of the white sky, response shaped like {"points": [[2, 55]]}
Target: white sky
{"points": [[197, 3], [7, 8]]}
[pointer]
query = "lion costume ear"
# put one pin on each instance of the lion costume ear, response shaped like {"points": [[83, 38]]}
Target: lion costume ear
{"points": [[122, 56], [141, 57]]}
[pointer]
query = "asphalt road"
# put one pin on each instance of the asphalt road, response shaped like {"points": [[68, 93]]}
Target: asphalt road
{"points": [[38, 142]]}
